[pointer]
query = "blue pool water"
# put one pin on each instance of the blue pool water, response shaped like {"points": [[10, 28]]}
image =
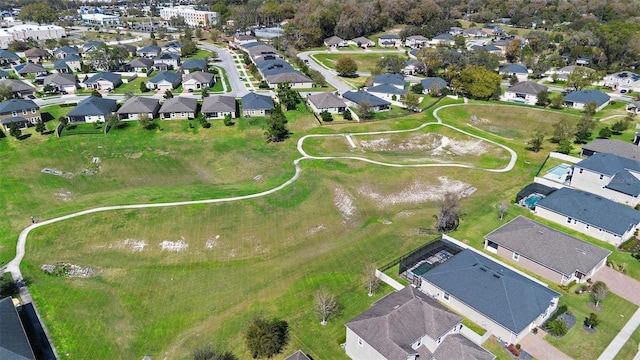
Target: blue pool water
{"points": [[559, 170], [532, 200]]}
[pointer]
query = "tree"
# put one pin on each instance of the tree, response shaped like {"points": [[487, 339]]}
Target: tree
{"points": [[372, 280], [605, 133], [6, 92], [96, 93], [478, 82], [40, 126], [266, 338], [114, 121], [535, 143], [198, 33], [557, 102], [205, 93], [145, 121], [128, 94], [513, 79], [39, 12], [346, 114], [619, 126], [543, 98], [417, 88], [208, 353], [590, 109], [565, 147], [346, 66], [435, 89], [584, 128], [449, 217], [431, 59], [107, 58], [392, 63], [592, 321], [317, 77], [600, 292], [168, 94], [276, 126], [326, 116], [411, 100], [326, 304], [512, 53], [189, 47], [227, 121], [365, 111], [582, 77], [502, 209], [14, 130]]}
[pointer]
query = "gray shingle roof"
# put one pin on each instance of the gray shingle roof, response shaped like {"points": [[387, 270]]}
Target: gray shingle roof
{"points": [[17, 85], [445, 36], [141, 62], [334, 40], [547, 246], [456, 346], [67, 50], [615, 147], [298, 355], [293, 76], [399, 319], [326, 100], [8, 55], [4, 74], [13, 340], [35, 52], [109, 76], [139, 105], [386, 89], [527, 87], [17, 105], [219, 104], [195, 64], [9, 120], [513, 69], [274, 66], [199, 76], [389, 37], [150, 49], [165, 75], [587, 96], [625, 183], [167, 56], [179, 104], [94, 105], [391, 79], [616, 167], [60, 79], [253, 101], [499, 293], [31, 68], [591, 209], [362, 40], [362, 96], [428, 83]]}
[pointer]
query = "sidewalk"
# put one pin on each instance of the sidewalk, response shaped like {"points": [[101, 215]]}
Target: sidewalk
{"points": [[618, 342]]}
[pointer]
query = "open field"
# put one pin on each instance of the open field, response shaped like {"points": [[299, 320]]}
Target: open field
{"points": [[173, 279], [366, 61]]}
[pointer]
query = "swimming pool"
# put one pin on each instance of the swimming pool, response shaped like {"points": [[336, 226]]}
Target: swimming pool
{"points": [[558, 173], [531, 200]]}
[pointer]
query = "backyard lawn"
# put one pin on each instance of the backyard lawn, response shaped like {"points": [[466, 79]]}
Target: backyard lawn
{"points": [[366, 61]]}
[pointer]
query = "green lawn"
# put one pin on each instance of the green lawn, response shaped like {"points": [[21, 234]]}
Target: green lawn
{"points": [[132, 86], [366, 61]]}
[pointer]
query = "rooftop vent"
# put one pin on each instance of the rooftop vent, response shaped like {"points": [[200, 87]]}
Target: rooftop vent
{"points": [[497, 276], [483, 268]]}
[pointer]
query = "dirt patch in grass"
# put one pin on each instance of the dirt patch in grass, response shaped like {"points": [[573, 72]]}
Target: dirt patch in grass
{"points": [[438, 144], [212, 243], [416, 193], [63, 269], [174, 246], [344, 202], [133, 245]]}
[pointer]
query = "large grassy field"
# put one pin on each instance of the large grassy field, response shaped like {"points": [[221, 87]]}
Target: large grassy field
{"points": [[366, 61], [170, 280]]}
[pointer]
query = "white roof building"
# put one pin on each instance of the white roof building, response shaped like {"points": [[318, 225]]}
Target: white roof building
{"points": [[25, 31], [100, 19], [191, 16]]}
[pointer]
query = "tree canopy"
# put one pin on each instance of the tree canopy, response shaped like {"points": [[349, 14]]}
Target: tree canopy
{"points": [[346, 66], [39, 12], [266, 337], [478, 82]]}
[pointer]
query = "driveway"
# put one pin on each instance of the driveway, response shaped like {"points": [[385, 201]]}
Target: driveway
{"points": [[620, 284], [535, 345]]}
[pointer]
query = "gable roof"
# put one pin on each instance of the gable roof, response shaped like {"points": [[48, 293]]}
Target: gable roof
{"points": [[616, 167], [388, 78], [362, 40], [94, 105], [386, 89], [62, 63], [288, 77], [17, 105], [165, 76], [219, 104], [167, 56], [399, 319], [195, 64], [359, 97], [138, 105], [428, 83], [92, 44], [591, 209], [199, 76], [13, 339], [417, 37], [3, 74], [17, 85], [326, 100], [445, 36], [513, 68], [60, 79], [298, 355], [8, 55], [253, 101], [30, 68], [274, 66], [9, 120], [547, 246], [389, 37], [179, 104], [456, 346], [108, 76], [35, 52], [67, 50], [501, 294], [527, 87], [625, 183], [333, 40], [587, 96], [141, 62], [149, 49], [615, 147]]}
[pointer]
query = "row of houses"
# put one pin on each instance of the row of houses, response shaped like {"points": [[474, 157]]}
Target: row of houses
{"points": [[272, 67]]}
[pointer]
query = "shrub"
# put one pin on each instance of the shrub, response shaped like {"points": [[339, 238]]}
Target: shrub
{"points": [[592, 321], [557, 328], [515, 351]]}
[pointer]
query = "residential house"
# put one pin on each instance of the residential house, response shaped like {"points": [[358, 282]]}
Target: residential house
{"points": [[517, 70], [64, 51], [4, 75], [91, 46], [412, 67], [23, 112], [408, 324], [36, 55], [445, 39], [389, 40], [150, 51], [563, 73], [14, 343], [32, 68], [166, 61], [613, 177], [244, 39], [589, 214], [490, 48], [135, 106], [7, 57], [474, 33], [92, 109], [18, 88], [584, 60], [217, 107], [164, 80], [256, 105], [502, 301], [545, 251], [335, 42], [416, 41], [386, 91], [174, 47], [579, 99], [298, 355], [395, 80], [362, 42], [62, 83], [633, 107], [356, 98], [179, 107], [623, 82], [329, 102], [141, 65], [104, 81], [433, 85], [197, 81], [493, 30], [192, 65], [130, 49], [615, 147], [259, 51], [68, 65], [524, 92], [277, 71]]}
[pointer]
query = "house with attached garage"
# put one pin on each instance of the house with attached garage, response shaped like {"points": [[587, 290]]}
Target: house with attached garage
{"points": [[517, 70], [20, 111], [64, 51], [68, 65], [3, 74], [197, 81], [277, 71], [412, 66], [545, 251], [8, 57], [92, 109], [179, 107], [387, 91], [524, 92], [335, 42], [633, 107], [390, 40], [164, 80], [62, 83], [36, 54], [18, 88], [504, 302], [433, 84], [150, 51], [623, 82], [217, 107], [329, 102], [193, 65], [256, 105], [166, 61], [589, 214], [579, 99], [408, 324], [613, 177], [362, 42], [616, 147], [355, 98], [416, 41], [33, 68], [91, 46], [140, 65], [395, 80], [445, 39], [104, 81], [138, 105]]}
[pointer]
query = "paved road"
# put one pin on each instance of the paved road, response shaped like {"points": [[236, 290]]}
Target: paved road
{"points": [[227, 63]]}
